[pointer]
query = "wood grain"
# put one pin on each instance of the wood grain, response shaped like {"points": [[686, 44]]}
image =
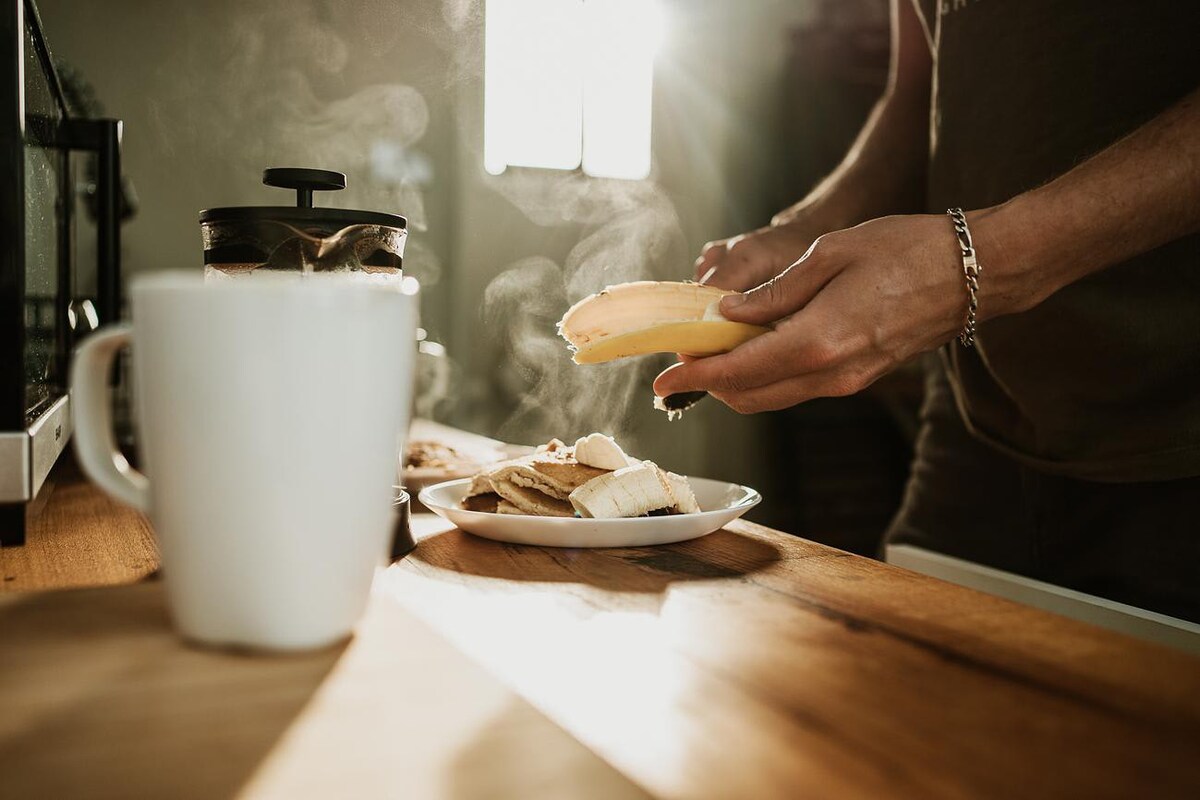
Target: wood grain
{"points": [[78, 537], [101, 700], [750, 663]]}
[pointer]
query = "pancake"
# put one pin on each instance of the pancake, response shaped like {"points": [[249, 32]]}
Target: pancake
{"points": [[538, 484], [488, 502], [552, 482], [534, 503]]}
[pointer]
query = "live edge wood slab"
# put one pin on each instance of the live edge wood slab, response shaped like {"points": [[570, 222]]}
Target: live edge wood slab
{"points": [[746, 664]]}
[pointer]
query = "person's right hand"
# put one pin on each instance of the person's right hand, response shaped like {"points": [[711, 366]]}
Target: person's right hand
{"points": [[743, 262]]}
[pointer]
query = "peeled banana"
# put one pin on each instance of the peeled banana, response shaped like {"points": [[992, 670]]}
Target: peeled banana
{"points": [[632, 319]]}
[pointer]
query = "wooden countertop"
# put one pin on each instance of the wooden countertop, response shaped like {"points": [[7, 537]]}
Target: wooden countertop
{"points": [[751, 663], [748, 663]]}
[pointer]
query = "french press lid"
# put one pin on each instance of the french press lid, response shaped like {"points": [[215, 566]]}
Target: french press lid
{"points": [[302, 238], [303, 214]]}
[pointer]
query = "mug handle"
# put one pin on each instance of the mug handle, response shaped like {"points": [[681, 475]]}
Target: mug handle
{"points": [[94, 441]]}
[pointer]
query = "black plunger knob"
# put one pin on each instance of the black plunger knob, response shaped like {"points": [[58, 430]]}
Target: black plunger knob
{"points": [[304, 181]]}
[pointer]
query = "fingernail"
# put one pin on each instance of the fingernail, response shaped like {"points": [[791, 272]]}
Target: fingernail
{"points": [[732, 301]]}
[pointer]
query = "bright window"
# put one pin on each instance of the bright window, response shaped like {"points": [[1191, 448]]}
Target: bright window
{"points": [[567, 83]]}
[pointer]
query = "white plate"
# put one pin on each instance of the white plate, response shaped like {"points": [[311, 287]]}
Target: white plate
{"points": [[721, 503]]}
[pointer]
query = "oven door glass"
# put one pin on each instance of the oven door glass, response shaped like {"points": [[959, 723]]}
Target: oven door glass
{"points": [[46, 185]]}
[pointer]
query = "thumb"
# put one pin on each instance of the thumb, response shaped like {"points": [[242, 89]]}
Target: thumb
{"points": [[785, 294]]}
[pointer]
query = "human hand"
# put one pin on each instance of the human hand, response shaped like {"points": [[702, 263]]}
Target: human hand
{"points": [[745, 261], [859, 303]]}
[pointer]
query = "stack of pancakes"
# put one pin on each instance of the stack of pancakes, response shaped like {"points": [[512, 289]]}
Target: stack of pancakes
{"points": [[538, 484]]}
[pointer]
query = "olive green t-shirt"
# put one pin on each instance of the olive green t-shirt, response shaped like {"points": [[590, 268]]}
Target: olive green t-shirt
{"points": [[1102, 380]]}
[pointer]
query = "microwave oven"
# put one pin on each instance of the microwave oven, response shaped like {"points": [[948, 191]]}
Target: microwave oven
{"points": [[48, 299]]}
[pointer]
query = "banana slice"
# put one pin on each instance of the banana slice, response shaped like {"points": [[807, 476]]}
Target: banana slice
{"points": [[632, 319], [681, 490], [629, 492]]}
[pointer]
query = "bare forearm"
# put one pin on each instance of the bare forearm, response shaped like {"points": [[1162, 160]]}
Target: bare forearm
{"points": [[882, 174], [884, 171], [1137, 194]]}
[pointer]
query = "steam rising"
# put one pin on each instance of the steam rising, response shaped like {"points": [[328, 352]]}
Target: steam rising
{"points": [[273, 88], [271, 91], [631, 232]]}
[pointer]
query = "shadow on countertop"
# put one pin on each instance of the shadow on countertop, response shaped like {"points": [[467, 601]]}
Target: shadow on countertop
{"points": [[190, 722], [720, 555]]}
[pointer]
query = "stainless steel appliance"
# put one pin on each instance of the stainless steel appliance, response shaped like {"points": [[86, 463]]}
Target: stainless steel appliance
{"points": [[41, 313]]}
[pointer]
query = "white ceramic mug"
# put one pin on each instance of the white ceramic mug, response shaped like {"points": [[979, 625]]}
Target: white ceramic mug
{"points": [[270, 413]]}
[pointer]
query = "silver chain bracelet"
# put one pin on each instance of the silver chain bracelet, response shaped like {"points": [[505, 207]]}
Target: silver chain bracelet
{"points": [[971, 269]]}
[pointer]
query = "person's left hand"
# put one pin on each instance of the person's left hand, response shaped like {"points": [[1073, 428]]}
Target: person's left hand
{"points": [[859, 303]]}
